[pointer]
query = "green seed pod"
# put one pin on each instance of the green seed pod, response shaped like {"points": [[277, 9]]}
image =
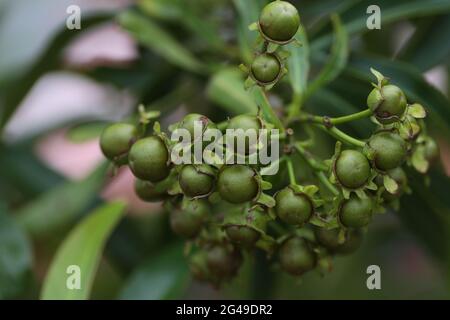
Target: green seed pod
{"points": [[223, 261], [188, 220], [399, 175], [330, 240], [148, 159], [147, 191], [189, 121], [293, 208], [196, 180], [242, 236], [431, 150], [266, 68], [296, 256], [279, 22], [388, 103], [116, 140], [389, 150], [356, 212], [237, 184], [352, 169]]}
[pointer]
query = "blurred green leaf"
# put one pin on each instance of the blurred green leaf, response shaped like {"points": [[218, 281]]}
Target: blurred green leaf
{"points": [[411, 80], [429, 44], [156, 39], [248, 11], [83, 247], [15, 256], [61, 205], [162, 276], [183, 13], [337, 60], [391, 11], [298, 65], [85, 131], [48, 60], [226, 89]]}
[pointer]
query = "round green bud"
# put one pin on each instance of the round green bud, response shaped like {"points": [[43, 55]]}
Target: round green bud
{"points": [[389, 150], [245, 122], [296, 256], [148, 159], [242, 236], [388, 103], [116, 140], [355, 212], [223, 261], [293, 208], [237, 184], [196, 180], [188, 220], [330, 240], [352, 169], [199, 267], [147, 191], [190, 120], [279, 22], [266, 68]]}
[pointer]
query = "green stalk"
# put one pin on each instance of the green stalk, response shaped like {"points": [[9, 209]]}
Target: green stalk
{"points": [[334, 121], [291, 172], [318, 168], [267, 110], [342, 136]]}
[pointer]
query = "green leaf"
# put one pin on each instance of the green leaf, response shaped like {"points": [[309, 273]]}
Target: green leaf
{"points": [[162, 276], [226, 89], [15, 256], [156, 39], [429, 45], [248, 11], [338, 58], [61, 205], [390, 184], [298, 64], [83, 247], [85, 131], [48, 60], [391, 11]]}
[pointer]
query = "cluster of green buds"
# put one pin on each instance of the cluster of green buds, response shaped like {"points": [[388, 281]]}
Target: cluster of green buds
{"points": [[224, 209]]}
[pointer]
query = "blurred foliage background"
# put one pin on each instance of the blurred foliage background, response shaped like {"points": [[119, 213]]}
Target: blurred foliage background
{"points": [[59, 87]]}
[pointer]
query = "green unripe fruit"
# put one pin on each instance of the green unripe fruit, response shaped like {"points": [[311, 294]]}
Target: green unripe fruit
{"points": [[399, 175], [237, 184], [389, 150], [223, 261], [245, 122], [190, 218], [148, 159], [266, 68], [296, 256], [147, 191], [116, 140], [279, 21], [242, 235], [355, 212], [190, 120], [330, 240], [431, 149], [352, 169], [388, 103], [196, 180], [293, 208]]}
